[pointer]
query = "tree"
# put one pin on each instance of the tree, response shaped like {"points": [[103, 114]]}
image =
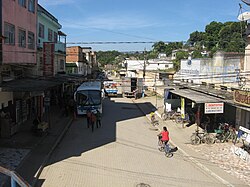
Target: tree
{"points": [[159, 47], [107, 57], [179, 56], [230, 37], [197, 39]]}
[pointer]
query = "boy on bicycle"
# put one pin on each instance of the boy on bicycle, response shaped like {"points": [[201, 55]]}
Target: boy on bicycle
{"points": [[165, 138]]}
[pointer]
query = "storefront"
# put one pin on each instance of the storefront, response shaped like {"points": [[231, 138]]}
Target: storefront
{"points": [[198, 106], [28, 102], [242, 104]]}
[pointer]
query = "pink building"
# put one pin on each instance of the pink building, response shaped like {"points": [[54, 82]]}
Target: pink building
{"points": [[18, 31]]}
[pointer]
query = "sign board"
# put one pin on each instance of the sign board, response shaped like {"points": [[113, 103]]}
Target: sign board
{"points": [[48, 57], [190, 67], [242, 97], [182, 108], [214, 108], [246, 135]]}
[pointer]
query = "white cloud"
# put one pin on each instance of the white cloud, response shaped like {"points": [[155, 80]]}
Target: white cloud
{"points": [[109, 23], [55, 2]]}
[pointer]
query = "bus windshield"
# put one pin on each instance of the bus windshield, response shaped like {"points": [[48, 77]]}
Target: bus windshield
{"points": [[88, 97]]}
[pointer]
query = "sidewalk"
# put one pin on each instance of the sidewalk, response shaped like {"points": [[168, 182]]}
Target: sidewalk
{"points": [[217, 159], [30, 151]]}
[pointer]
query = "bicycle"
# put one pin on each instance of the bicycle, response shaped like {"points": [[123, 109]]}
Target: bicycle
{"points": [[154, 121], [182, 121], [230, 134], [225, 133], [202, 137], [166, 148]]}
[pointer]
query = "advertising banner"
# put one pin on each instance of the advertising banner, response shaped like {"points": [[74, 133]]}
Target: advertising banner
{"points": [[214, 108], [242, 97], [182, 108], [48, 56]]}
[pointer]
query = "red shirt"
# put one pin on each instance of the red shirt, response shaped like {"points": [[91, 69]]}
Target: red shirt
{"points": [[165, 136]]}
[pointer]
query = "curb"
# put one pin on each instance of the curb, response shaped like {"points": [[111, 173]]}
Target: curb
{"points": [[39, 171]]}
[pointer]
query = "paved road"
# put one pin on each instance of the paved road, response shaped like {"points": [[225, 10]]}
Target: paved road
{"points": [[123, 152]]}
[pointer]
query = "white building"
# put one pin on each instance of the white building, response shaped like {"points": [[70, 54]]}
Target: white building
{"points": [[150, 65], [218, 70]]}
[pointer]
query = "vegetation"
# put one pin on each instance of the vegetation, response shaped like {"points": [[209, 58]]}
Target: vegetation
{"points": [[228, 37]]}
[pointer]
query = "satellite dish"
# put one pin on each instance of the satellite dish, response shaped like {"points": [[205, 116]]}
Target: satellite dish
{"points": [[246, 1], [244, 16]]}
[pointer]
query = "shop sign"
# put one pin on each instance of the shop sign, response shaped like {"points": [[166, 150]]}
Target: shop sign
{"points": [[48, 57], [242, 97], [214, 108], [182, 108]]}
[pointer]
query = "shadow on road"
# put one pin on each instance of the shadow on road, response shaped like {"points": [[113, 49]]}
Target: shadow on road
{"points": [[79, 139]]}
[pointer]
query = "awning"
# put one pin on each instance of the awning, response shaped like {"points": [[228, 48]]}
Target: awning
{"points": [[195, 96], [28, 85], [231, 102], [71, 65], [70, 77]]}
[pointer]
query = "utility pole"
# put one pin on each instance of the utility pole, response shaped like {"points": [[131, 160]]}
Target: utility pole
{"points": [[155, 92], [144, 65]]}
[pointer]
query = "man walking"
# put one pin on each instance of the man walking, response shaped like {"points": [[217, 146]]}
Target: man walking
{"points": [[98, 119], [88, 113], [93, 119]]}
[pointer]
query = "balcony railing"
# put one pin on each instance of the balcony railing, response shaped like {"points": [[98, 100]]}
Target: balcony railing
{"points": [[59, 47]]}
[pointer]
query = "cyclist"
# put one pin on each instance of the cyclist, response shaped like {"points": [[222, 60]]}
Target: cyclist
{"points": [[165, 138], [152, 116]]}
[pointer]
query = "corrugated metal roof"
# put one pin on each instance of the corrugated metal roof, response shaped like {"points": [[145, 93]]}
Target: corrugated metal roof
{"points": [[28, 85], [196, 96]]}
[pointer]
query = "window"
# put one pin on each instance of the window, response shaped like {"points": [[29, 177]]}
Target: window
{"points": [[41, 30], [22, 3], [22, 38], [9, 33], [31, 40], [55, 37], [50, 34], [31, 5]]}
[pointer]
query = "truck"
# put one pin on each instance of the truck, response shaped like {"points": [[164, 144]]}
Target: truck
{"points": [[130, 85], [110, 88]]}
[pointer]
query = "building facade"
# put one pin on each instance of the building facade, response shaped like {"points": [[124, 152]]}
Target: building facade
{"points": [[25, 81], [51, 44], [17, 57], [81, 60], [18, 33]]}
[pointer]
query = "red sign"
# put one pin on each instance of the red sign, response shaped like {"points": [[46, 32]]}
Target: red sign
{"points": [[48, 57]]}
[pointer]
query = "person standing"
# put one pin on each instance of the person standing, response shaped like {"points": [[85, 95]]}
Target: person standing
{"points": [[93, 120], [98, 119], [88, 113]]}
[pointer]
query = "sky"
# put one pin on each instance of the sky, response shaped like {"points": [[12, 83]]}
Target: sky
{"points": [[86, 21]]}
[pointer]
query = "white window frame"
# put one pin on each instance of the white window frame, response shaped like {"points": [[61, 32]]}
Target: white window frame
{"points": [[41, 31], [9, 33], [31, 6], [22, 38], [22, 3], [55, 37], [50, 34], [31, 40]]}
